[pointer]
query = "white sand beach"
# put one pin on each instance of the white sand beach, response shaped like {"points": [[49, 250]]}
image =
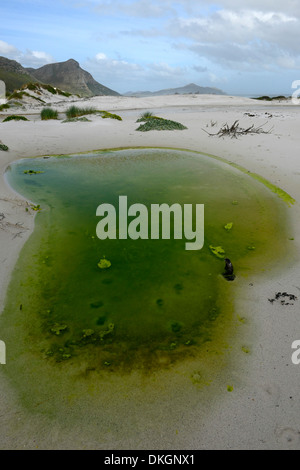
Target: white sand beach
{"points": [[263, 410]]}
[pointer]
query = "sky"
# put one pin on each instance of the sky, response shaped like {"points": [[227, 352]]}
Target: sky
{"points": [[244, 48]]}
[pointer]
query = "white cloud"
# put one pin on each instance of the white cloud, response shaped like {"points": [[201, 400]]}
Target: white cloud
{"points": [[111, 72], [27, 58], [114, 72], [8, 50], [226, 25], [160, 8], [162, 69], [255, 33], [114, 66], [241, 39], [35, 58], [101, 56]]}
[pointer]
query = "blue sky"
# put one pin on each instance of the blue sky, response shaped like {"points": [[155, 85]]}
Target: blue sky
{"points": [[244, 48]]}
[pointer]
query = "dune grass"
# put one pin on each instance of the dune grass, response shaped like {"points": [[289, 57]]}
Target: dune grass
{"points": [[154, 123], [4, 106], [145, 116], [75, 111], [17, 95], [38, 86], [268, 98], [3, 147], [14, 117], [106, 115], [49, 113]]}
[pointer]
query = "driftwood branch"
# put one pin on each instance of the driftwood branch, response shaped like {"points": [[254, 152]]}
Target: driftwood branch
{"points": [[235, 130]]}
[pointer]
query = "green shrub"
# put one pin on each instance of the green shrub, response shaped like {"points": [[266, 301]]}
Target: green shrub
{"points": [[30, 86], [145, 116], [16, 95], [106, 114], [3, 147], [74, 111], [50, 88], [49, 113], [160, 124], [13, 117], [38, 86], [4, 106], [63, 93], [268, 98]]}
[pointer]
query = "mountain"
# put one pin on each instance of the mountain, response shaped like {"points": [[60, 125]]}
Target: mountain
{"points": [[187, 89], [13, 74], [70, 77]]}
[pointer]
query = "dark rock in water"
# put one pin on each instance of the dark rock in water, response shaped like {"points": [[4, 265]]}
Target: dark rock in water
{"points": [[228, 274]]}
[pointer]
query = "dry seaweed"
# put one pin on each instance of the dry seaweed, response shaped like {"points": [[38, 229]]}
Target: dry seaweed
{"points": [[235, 130]]}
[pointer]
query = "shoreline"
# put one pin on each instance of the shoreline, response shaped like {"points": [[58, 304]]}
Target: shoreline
{"points": [[269, 374]]}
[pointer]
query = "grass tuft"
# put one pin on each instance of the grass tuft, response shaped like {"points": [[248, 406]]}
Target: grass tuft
{"points": [[14, 117], [3, 147], [48, 113], [74, 111], [4, 106], [17, 95], [145, 116]]}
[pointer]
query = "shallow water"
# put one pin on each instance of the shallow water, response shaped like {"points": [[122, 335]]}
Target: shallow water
{"points": [[158, 303]]}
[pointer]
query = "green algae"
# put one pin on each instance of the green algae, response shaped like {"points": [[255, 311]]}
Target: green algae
{"points": [[159, 303], [287, 198], [32, 172], [228, 226], [104, 263], [58, 329], [218, 251], [36, 207]]}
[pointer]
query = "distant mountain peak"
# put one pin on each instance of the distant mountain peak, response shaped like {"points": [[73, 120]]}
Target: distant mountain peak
{"points": [[71, 62], [70, 77], [191, 88]]}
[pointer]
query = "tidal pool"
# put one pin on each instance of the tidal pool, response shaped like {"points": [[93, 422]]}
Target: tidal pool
{"points": [[157, 303]]}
